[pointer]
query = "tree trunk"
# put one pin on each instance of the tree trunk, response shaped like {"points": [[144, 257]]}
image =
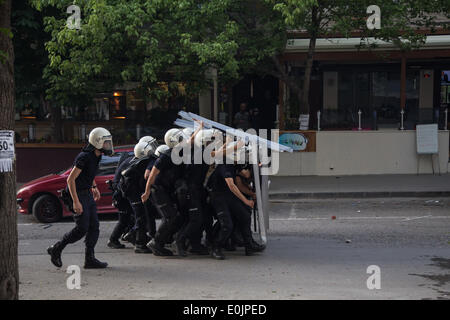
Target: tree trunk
{"points": [[9, 271], [304, 102]]}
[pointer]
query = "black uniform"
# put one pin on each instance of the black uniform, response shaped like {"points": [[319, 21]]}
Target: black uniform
{"points": [[126, 214], [194, 211], [87, 224], [133, 185], [228, 207], [163, 194]]}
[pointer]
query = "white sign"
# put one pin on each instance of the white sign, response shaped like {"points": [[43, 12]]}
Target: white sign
{"points": [[6, 150], [427, 138], [304, 121]]}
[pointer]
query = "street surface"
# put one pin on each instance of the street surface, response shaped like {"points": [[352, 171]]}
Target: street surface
{"points": [[309, 255]]}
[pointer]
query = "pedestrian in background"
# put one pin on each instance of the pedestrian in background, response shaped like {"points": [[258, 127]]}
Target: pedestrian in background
{"points": [[242, 118]]}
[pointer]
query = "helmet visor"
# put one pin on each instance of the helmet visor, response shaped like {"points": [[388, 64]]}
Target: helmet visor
{"points": [[153, 144], [108, 148]]}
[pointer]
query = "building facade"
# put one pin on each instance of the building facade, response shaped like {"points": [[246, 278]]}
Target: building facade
{"points": [[366, 104]]}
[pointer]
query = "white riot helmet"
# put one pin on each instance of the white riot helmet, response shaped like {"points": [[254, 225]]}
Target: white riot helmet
{"points": [[161, 149], [188, 131], [150, 140], [143, 149], [206, 136], [101, 139], [173, 137]]}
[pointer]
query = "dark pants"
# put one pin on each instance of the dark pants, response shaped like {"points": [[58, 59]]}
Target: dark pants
{"points": [[125, 219], [87, 223], [193, 212], [208, 215], [152, 214], [228, 208], [172, 220], [141, 220]]}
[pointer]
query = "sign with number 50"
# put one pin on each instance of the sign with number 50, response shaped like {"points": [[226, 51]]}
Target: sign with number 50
{"points": [[6, 150]]}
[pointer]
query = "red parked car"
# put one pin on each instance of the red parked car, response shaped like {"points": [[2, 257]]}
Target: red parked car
{"points": [[41, 196]]}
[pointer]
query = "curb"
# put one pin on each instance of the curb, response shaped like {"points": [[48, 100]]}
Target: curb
{"points": [[377, 194]]}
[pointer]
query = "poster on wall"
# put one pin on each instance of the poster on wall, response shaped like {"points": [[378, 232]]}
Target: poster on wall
{"points": [[6, 150], [299, 141]]}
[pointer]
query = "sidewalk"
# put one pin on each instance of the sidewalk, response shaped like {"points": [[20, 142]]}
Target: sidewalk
{"points": [[368, 186]]}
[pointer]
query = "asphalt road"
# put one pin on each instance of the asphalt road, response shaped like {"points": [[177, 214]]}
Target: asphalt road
{"points": [[310, 255]]}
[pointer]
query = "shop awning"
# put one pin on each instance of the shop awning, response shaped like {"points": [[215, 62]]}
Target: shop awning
{"points": [[351, 44]]}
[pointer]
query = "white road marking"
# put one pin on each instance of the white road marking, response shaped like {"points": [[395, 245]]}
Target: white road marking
{"points": [[415, 218]]}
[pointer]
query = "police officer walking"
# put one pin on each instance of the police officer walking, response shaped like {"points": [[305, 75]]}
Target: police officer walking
{"points": [[84, 192]]}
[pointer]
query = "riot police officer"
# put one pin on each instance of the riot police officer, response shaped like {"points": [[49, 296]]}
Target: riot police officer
{"points": [[84, 193], [194, 175], [164, 179], [132, 185], [126, 213]]}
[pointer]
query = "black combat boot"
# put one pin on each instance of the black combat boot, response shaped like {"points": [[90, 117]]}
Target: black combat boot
{"points": [[158, 249], [230, 245], [130, 237], [142, 248], [199, 249], [55, 253], [251, 247], [115, 244], [216, 253], [180, 244], [257, 247], [249, 251], [90, 262]]}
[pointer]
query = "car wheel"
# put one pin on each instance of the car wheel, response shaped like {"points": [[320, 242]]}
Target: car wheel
{"points": [[47, 209]]}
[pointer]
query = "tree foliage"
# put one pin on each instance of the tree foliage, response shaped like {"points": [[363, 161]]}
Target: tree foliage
{"points": [[30, 55], [149, 42]]}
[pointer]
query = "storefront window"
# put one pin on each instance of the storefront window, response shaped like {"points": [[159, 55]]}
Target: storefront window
{"points": [[347, 113], [412, 114], [377, 94], [118, 105], [386, 96], [99, 110]]}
